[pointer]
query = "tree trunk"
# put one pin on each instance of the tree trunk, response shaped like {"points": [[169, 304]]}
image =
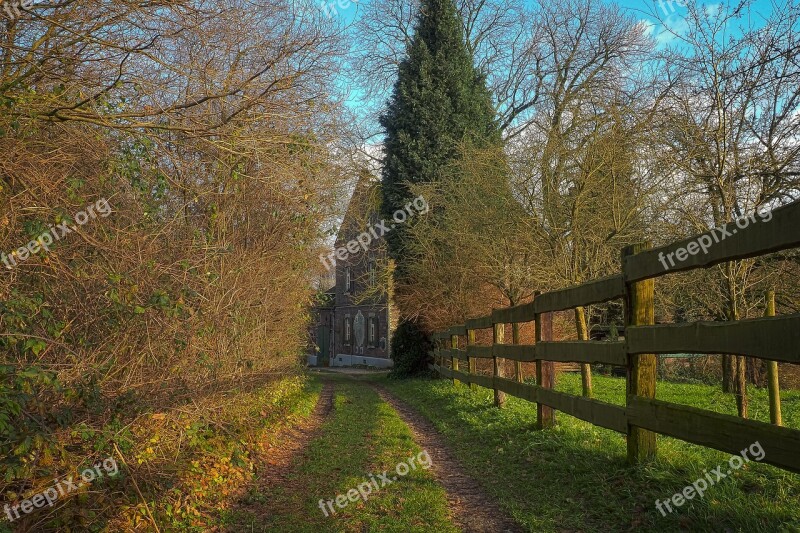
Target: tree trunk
{"points": [[756, 371], [741, 385], [583, 335], [738, 362], [773, 380], [728, 372]]}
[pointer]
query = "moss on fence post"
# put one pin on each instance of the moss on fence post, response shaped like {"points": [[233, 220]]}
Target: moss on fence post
{"points": [[473, 368], [545, 370], [641, 378], [454, 359], [499, 334]]}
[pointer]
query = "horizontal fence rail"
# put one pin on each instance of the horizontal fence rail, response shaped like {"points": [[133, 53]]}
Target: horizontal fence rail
{"points": [[727, 243], [594, 292], [714, 430], [777, 339], [609, 353], [771, 339]]}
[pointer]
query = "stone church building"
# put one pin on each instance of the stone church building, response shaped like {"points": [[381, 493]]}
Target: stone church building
{"points": [[353, 320]]}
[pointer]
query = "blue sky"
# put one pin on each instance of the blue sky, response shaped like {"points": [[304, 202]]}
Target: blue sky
{"points": [[671, 11], [636, 6]]}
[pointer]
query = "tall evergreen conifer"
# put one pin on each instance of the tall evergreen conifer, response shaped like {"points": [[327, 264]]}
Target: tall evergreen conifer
{"points": [[439, 101]]}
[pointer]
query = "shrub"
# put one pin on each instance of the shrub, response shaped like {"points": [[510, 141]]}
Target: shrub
{"points": [[410, 347]]}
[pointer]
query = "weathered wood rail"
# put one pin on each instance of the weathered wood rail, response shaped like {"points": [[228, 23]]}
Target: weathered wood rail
{"points": [[771, 338]]}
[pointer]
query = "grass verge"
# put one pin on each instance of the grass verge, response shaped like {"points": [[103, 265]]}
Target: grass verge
{"points": [[612, 390], [177, 467]]}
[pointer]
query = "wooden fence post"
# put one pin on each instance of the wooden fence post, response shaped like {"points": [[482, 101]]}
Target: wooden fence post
{"points": [[454, 360], [499, 333], [545, 370], [773, 380], [641, 379], [517, 364], [473, 368]]}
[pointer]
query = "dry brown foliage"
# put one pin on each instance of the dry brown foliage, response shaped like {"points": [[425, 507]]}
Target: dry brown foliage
{"points": [[209, 129]]}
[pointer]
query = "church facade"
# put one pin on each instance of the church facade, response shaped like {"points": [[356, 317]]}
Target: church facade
{"points": [[354, 320]]}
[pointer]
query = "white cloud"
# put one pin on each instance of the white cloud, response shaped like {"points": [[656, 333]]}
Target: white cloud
{"points": [[672, 27]]}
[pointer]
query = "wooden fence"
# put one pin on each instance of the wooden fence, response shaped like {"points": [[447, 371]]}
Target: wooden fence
{"points": [[773, 339]]}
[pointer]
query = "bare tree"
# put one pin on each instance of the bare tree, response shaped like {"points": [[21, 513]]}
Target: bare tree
{"points": [[501, 34], [577, 164], [480, 250], [210, 129], [731, 133]]}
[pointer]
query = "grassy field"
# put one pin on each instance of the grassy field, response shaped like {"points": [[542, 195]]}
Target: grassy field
{"points": [[575, 477], [363, 437]]}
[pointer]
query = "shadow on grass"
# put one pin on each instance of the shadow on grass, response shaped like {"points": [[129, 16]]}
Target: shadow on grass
{"points": [[220, 429], [323, 470]]}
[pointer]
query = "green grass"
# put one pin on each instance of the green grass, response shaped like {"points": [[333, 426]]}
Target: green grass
{"points": [[575, 477], [363, 436]]}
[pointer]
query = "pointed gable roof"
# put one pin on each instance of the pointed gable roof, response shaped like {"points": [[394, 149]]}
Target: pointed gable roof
{"points": [[362, 210]]}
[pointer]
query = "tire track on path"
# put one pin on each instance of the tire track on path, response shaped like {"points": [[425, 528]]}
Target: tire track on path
{"points": [[471, 508], [278, 460]]}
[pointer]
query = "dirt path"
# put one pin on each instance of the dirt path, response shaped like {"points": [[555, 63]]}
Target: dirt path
{"points": [[280, 458], [290, 443], [472, 510]]}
